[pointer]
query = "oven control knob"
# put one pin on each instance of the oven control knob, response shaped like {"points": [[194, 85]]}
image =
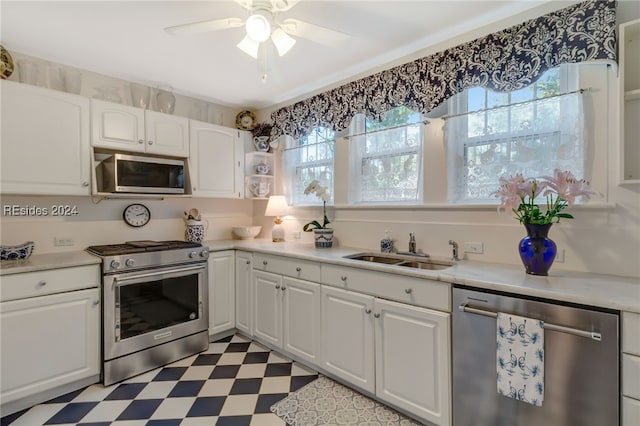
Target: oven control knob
{"points": [[129, 262], [193, 254], [115, 264], [204, 253]]}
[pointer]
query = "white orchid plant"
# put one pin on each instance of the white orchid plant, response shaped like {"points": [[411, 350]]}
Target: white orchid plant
{"points": [[518, 194], [321, 192]]}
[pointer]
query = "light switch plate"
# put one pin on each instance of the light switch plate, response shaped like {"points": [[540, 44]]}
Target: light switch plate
{"points": [[477, 248], [63, 241]]}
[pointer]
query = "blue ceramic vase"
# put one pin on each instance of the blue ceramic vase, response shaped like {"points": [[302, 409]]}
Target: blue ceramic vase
{"points": [[537, 251]]}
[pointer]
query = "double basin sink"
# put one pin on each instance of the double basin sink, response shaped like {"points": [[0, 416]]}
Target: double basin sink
{"points": [[409, 261]]}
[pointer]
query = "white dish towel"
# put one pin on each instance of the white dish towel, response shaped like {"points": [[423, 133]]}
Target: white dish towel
{"points": [[520, 358]]}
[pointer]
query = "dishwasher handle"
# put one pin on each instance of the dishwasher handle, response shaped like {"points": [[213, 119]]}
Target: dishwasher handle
{"points": [[548, 326]]}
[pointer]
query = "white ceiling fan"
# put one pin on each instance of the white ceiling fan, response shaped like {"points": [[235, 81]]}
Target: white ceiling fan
{"points": [[262, 24]]}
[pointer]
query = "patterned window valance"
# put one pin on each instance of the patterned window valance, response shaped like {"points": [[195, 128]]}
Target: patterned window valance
{"points": [[503, 61]]}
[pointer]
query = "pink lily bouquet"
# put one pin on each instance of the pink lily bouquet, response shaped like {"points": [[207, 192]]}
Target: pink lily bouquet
{"points": [[561, 190]]}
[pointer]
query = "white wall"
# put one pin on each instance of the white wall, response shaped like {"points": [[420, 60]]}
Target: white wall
{"points": [[604, 237]]}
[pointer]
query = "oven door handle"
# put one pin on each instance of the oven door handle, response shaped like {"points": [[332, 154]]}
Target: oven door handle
{"points": [[120, 281]]}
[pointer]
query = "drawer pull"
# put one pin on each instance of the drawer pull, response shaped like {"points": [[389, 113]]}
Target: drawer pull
{"points": [[248, 262], [343, 278], [367, 311], [42, 283], [277, 286], [408, 290], [264, 262], [298, 269], [376, 315]]}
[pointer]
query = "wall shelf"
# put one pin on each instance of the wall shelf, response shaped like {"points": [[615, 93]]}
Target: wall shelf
{"points": [[259, 174]]}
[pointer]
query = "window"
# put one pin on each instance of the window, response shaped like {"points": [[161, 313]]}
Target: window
{"points": [[530, 131], [308, 159], [386, 158]]}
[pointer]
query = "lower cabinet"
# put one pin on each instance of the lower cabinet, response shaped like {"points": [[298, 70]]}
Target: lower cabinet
{"points": [[396, 351], [222, 297], [244, 295], [287, 314], [48, 342]]}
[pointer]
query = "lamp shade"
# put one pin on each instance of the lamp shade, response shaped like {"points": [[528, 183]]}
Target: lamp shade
{"points": [[276, 206]]}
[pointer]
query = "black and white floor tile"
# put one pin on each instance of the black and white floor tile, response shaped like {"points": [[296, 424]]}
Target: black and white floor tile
{"points": [[234, 382]]}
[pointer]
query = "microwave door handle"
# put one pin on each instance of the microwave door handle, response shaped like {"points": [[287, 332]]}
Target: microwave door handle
{"points": [[117, 281]]}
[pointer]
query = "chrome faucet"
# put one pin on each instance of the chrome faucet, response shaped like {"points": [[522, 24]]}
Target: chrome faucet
{"points": [[412, 242], [455, 250]]}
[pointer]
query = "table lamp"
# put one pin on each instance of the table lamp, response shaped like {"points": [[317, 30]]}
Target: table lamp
{"points": [[277, 206]]}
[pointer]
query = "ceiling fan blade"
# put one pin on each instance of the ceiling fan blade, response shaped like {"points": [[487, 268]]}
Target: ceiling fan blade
{"points": [[313, 32], [272, 5], [205, 26]]}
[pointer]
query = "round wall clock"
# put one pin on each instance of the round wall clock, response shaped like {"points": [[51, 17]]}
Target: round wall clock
{"points": [[245, 120], [136, 215]]}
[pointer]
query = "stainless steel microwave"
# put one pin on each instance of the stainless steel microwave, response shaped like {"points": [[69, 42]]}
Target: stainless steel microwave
{"points": [[140, 175]]}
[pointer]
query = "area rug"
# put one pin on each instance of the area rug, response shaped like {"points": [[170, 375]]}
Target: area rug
{"points": [[325, 402]]}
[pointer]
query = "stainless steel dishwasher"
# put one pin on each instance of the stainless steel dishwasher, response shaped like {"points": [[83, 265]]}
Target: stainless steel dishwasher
{"points": [[581, 363]]}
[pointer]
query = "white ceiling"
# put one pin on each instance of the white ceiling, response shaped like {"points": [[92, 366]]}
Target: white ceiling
{"points": [[126, 39]]}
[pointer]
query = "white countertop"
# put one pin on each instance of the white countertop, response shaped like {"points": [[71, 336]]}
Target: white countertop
{"points": [[606, 291]]}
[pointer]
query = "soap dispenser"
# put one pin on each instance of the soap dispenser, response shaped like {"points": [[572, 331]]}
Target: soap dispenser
{"points": [[386, 244]]}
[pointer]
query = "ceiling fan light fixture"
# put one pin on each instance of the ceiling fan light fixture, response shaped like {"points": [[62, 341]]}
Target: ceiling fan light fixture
{"points": [[249, 46], [258, 27], [283, 41]]}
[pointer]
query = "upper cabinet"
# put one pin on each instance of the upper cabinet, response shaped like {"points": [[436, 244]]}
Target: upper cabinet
{"points": [[216, 161], [630, 108], [122, 127], [45, 141]]}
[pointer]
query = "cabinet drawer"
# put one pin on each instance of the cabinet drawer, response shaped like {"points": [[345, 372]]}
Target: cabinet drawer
{"points": [[297, 268], [33, 284], [630, 412], [631, 376], [410, 290], [630, 333]]}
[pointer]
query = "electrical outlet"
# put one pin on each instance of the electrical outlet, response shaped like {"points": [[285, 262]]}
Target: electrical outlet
{"points": [[477, 248], [560, 256], [63, 241]]}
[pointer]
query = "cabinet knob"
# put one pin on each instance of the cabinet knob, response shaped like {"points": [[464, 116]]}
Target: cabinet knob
{"points": [[298, 269], [376, 315], [408, 290], [96, 302], [140, 141], [264, 262], [277, 286], [344, 278], [85, 183], [284, 288], [248, 262], [150, 142], [42, 283], [367, 311]]}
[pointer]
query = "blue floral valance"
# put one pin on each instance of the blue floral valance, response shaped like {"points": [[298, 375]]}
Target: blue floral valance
{"points": [[503, 61]]}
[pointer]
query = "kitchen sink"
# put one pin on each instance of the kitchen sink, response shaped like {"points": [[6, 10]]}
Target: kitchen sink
{"points": [[407, 261]]}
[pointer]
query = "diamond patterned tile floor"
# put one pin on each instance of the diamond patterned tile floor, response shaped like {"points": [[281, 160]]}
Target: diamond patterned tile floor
{"points": [[234, 382]]}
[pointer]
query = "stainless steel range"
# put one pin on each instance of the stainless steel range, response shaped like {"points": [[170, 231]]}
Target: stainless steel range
{"points": [[155, 305]]}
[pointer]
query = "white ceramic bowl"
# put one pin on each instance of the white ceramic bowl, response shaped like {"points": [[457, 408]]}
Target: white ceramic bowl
{"points": [[246, 232], [19, 252]]}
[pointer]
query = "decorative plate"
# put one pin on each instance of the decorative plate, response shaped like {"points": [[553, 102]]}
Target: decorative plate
{"points": [[245, 120], [6, 66]]}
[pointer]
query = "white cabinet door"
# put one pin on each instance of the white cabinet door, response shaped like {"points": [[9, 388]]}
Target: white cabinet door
{"points": [[267, 307], [244, 297], [348, 336], [117, 126], [216, 161], [49, 341], [166, 134], [222, 298], [412, 359], [45, 141], [301, 318]]}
